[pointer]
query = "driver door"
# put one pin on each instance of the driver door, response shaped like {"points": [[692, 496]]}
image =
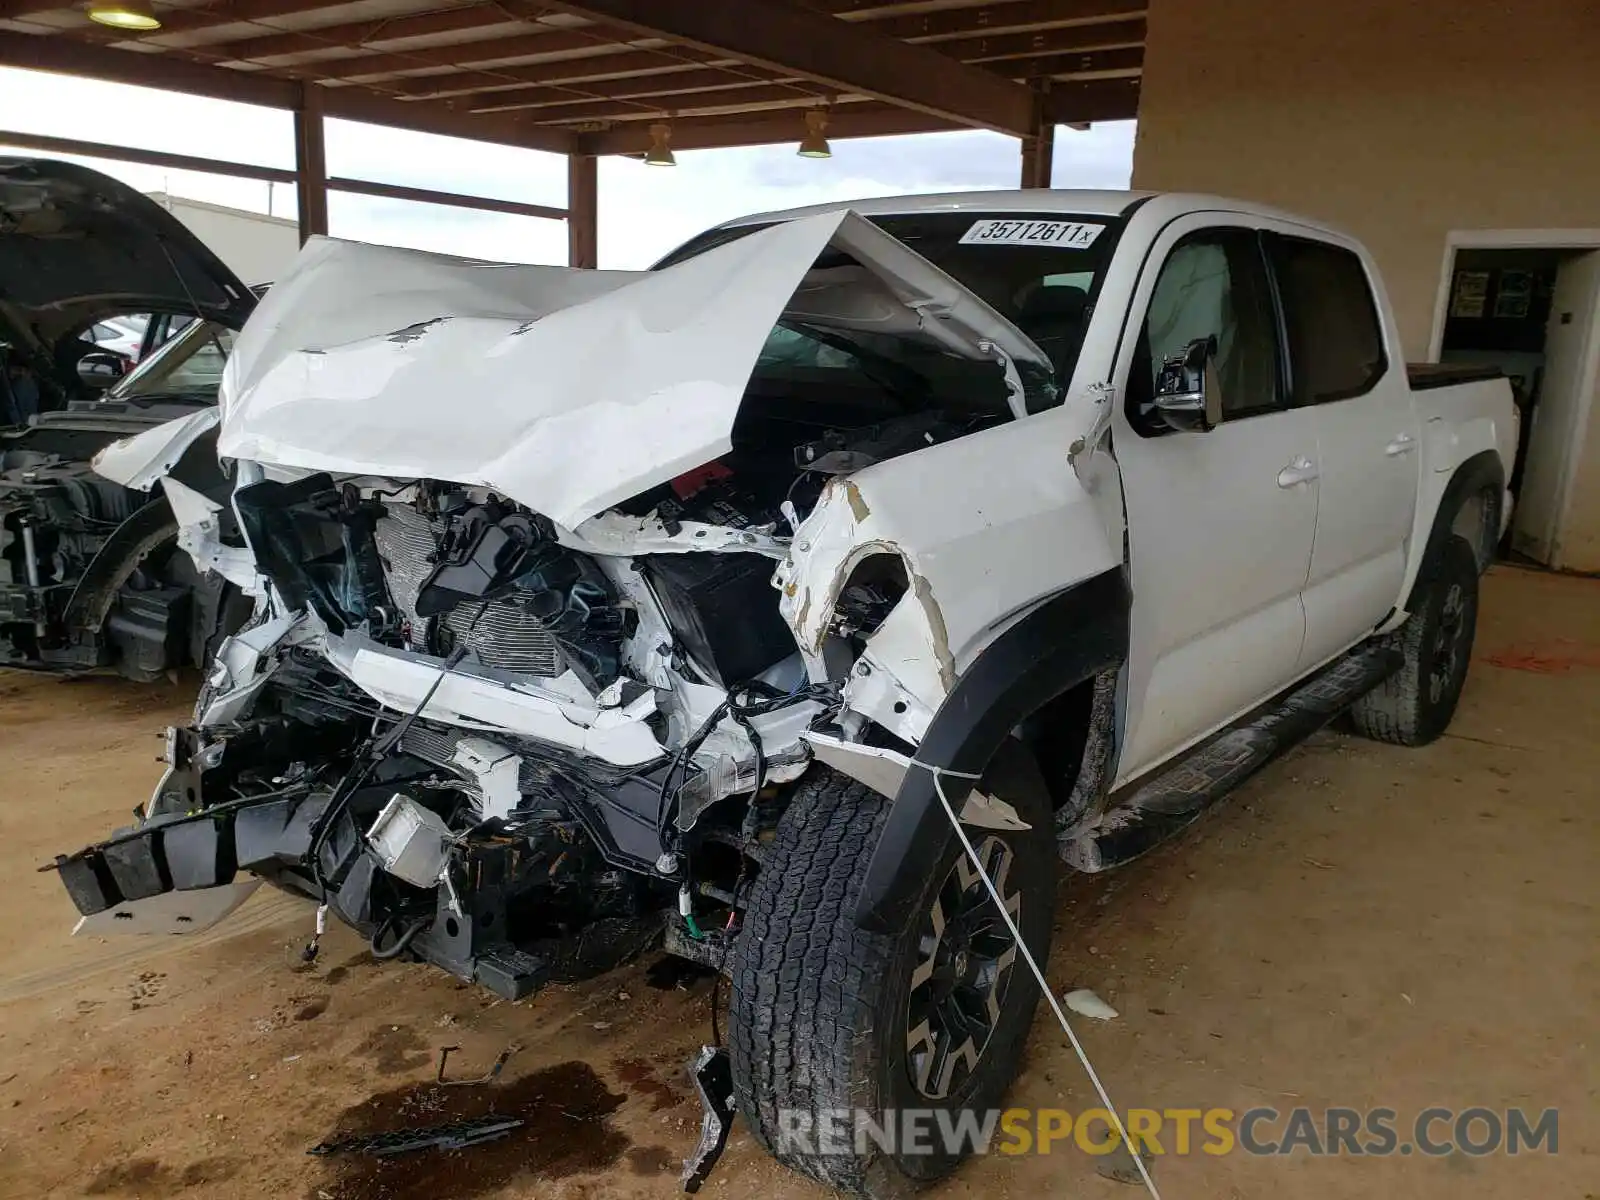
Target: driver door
{"points": [[1221, 521]]}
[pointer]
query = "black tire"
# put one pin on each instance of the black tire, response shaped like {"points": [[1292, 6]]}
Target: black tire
{"points": [[822, 1011], [1414, 705]]}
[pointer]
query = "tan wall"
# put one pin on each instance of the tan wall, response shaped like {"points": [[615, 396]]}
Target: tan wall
{"points": [[1396, 119]]}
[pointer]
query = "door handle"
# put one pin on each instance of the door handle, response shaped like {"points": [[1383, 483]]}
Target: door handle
{"points": [[1301, 470], [1404, 444]]}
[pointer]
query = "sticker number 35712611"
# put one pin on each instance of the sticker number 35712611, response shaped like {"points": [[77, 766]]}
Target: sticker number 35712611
{"points": [[1069, 235]]}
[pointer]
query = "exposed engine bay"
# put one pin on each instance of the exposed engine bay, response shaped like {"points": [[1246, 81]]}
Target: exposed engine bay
{"points": [[524, 712], [470, 841]]}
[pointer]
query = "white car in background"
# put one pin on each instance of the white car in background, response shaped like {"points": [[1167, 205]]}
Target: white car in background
{"points": [[121, 335]]}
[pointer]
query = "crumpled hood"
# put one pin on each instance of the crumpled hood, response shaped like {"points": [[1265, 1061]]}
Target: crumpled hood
{"points": [[76, 246], [565, 390]]}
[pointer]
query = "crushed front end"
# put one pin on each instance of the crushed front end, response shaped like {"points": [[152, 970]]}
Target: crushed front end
{"points": [[476, 744]]}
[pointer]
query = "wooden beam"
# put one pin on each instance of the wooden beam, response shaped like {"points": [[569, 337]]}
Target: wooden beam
{"points": [[260, 47], [568, 110], [145, 158], [1087, 38], [355, 104], [655, 99], [478, 65], [177, 24], [1105, 63], [1014, 16], [1102, 100], [708, 87], [1119, 35], [173, 21], [624, 66], [66, 56], [1097, 100], [354, 62], [869, 119], [397, 191], [583, 207], [1051, 65], [238, 170], [1039, 147], [690, 84], [310, 163], [782, 36]]}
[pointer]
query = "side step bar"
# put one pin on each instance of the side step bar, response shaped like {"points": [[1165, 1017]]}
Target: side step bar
{"points": [[1143, 812]]}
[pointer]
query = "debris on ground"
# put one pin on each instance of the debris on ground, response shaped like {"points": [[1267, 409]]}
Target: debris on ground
{"points": [[1118, 1165], [1086, 1003], [493, 1072], [713, 1080], [457, 1135]]}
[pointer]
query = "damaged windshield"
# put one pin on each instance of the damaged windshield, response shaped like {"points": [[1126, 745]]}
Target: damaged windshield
{"points": [[1041, 271]]}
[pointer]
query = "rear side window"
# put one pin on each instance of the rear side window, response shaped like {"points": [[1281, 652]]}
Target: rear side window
{"points": [[1330, 317]]}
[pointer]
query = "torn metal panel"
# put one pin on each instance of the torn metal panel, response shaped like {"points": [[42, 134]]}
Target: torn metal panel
{"points": [[244, 663], [620, 534], [137, 462], [553, 710], [981, 546], [896, 682], [881, 769], [199, 535], [497, 771], [884, 770]]}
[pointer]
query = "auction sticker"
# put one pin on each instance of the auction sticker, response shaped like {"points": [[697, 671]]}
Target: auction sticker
{"points": [[1070, 235]]}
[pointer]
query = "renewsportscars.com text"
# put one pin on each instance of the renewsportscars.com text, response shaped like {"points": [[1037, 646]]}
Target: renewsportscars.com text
{"points": [[1264, 1132]]}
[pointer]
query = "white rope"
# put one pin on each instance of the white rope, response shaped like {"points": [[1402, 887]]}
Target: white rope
{"points": [[1027, 955]]}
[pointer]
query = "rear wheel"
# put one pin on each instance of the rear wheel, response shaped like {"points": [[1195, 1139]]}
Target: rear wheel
{"points": [[1414, 705], [832, 1024]]}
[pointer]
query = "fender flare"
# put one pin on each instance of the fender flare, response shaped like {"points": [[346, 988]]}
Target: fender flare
{"points": [[148, 528], [1483, 472], [1065, 641]]}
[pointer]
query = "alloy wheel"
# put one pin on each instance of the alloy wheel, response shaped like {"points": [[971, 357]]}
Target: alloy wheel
{"points": [[964, 966]]}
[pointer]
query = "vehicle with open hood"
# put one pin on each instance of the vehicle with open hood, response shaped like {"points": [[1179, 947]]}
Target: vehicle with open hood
{"points": [[708, 604], [90, 574]]}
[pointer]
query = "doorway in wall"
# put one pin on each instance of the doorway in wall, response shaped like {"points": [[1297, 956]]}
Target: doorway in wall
{"points": [[1534, 312]]}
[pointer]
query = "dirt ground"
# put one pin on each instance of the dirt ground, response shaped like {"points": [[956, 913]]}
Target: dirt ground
{"points": [[1360, 926]]}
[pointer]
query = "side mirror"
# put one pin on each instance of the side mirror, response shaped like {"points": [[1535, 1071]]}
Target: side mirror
{"points": [[99, 369], [1188, 395]]}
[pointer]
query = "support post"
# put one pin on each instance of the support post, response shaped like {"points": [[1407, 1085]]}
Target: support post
{"points": [[1039, 146], [583, 211], [310, 163]]}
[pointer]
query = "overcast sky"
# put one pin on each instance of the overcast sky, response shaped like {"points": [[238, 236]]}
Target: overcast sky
{"points": [[644, 211]]}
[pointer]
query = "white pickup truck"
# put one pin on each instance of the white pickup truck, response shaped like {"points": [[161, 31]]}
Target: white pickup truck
{"points": [[597, 608]]}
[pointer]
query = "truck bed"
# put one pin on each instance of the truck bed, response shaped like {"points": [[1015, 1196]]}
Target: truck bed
{"points": [[1425, 375]]}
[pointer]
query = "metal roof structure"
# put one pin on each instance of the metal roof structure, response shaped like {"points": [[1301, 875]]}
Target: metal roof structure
{"points": [[593, 78]]}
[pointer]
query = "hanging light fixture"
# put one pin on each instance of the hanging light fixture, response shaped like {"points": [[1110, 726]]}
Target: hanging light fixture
{"points": [[815, 142], [660, 152], [124, 14]]}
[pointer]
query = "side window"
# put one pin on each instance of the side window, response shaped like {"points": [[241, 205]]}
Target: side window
{"points": [[1331, 319], [1212, 285]]}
